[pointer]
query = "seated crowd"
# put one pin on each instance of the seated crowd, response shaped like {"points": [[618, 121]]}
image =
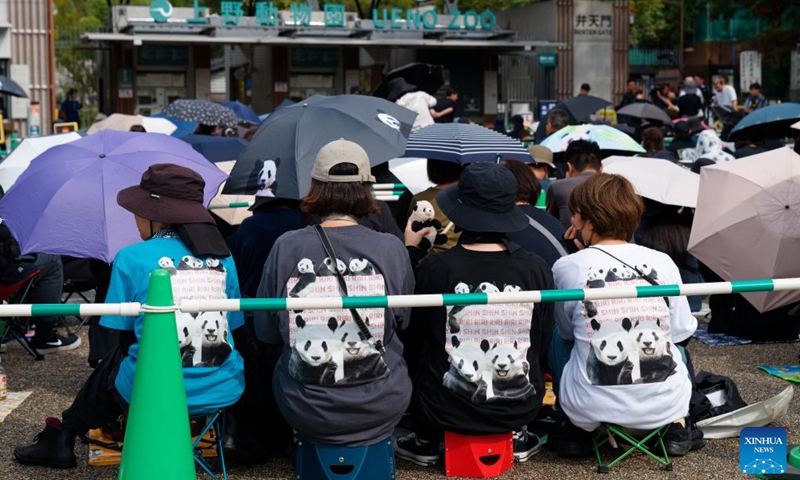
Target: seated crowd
{"points": [[349, 377]]}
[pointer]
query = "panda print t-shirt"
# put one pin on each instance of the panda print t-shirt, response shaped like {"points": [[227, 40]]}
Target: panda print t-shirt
{"points": [[328, 346], [331, 385], [477, 369], [213, 370], [625, 367]]}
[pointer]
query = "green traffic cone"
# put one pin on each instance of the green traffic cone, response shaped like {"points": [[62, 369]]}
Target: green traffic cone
{"points": [[794, 457], [158, 442]]}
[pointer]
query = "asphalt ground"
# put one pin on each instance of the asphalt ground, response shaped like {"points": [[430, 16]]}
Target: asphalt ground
{"points": [[55, 381]]}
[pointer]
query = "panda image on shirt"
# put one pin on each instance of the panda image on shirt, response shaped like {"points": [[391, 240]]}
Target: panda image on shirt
{"points": [[595, 278], [317, 353], [189, 262], [214, 345], [610, 356], [361, 360], [511, 289], [214, 264], [616, 274], [186, 334], [361, 266], [328, 268], [509, 372], [469, 375], [487, 287], [648, 271], [456, 312], [655, 357], [167, 264], [305, 279]]}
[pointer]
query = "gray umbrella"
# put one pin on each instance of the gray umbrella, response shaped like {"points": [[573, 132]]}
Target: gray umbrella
{"points": [[202, 111], [11, 87], [644, 110], [278, 160]]}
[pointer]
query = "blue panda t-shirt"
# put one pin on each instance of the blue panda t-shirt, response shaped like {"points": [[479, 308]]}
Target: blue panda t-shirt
{"points": [[624, 367], [213, 370]]}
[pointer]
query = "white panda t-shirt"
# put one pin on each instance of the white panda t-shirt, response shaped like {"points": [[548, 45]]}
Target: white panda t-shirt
{"points": [[624, 368]]}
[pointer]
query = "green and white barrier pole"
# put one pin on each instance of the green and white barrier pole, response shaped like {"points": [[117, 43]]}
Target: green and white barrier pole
{"points": [[388, 186], [430, 300], [451, 299], [231, 205]]}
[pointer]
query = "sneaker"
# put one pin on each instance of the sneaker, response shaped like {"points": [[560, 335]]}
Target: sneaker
{"points": [[526, 445], [569, 441], [680, 440], [55, 343], [416, 450], [54, 447]]}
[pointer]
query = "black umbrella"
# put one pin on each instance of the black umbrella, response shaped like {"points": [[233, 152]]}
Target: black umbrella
{"points": [[428, 78], [279, 158], [774, 121], [11, 87], [583, 106], [202, 111], [644, 110]]}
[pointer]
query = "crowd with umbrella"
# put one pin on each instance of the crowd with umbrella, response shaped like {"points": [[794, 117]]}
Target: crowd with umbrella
{"points": [[67, 183]]}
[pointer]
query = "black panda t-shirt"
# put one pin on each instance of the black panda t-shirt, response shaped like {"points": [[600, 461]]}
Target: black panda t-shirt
{"points": [[478, 369]]}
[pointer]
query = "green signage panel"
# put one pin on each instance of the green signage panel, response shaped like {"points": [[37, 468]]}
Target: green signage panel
{"points": [[548, 59]]}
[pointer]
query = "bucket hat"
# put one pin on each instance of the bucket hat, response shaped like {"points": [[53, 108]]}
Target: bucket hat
{"points": [[167, 193], [399, 87], [484, 200]]}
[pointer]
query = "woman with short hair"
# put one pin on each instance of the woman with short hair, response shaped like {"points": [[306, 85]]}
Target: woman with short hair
{"points": [[625, 367], [332, 384]]}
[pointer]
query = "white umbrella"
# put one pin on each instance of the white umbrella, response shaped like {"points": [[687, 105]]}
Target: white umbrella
{"points": [[657, 179], [18, 160], [123, 123], [233, 216], [412, 172]]}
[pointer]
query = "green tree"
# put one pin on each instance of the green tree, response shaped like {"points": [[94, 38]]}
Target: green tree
{"points": [[775, 42]]}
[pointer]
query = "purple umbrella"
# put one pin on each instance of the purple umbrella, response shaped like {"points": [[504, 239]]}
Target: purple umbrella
{"points": [[65, 203]]}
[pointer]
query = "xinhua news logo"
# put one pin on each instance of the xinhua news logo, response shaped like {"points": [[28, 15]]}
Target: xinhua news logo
{"points": [[762, 450]]}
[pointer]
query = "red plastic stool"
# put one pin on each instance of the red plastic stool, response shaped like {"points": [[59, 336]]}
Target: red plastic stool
{"points": [[484, 456]]}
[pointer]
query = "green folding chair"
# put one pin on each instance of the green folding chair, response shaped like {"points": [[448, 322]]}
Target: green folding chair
{"points": [[651, 444]]}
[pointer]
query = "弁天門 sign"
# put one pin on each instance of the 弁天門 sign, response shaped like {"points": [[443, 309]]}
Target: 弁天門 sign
{"points": [[334, 16]]}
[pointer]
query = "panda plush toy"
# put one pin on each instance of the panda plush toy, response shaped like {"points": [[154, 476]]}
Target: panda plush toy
{"points": [[422, 217]]}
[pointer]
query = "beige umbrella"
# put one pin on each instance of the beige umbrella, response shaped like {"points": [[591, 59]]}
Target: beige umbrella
{"points": [[121, 122], [233, 216], [747, 223]]}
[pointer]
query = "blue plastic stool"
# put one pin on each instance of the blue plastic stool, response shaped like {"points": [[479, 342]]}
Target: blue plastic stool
{"points": [[336, 462]]}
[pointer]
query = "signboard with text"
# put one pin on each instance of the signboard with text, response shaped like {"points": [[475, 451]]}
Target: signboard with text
{"points": [[334, 15], [749, 69]]}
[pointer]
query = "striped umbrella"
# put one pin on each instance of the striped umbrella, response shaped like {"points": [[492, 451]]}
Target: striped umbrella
{"points": [[608, 138], [464, 143]]}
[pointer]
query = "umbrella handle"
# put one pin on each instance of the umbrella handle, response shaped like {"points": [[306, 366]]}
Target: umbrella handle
{"points": [[447, 228]]}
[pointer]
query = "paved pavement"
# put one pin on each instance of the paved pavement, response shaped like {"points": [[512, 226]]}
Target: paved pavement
{"points": [[55, 381]]}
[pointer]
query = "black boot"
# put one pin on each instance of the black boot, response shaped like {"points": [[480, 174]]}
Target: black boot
{"points": [[54, 447]]}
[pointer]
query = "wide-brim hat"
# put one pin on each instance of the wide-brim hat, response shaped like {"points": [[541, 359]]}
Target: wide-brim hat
{"points": [[167, 193], [484, 200]]}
